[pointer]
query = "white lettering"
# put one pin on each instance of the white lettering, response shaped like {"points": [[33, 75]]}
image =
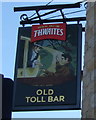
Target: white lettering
{"points": [[35, 33], [39, 32], [48, 31], [61, 30]]}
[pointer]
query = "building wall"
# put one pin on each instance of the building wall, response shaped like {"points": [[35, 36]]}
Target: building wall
{"points": [[89, 74]]}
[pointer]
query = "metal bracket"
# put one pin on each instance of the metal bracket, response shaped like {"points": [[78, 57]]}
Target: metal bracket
{"points": [[54, 8]]}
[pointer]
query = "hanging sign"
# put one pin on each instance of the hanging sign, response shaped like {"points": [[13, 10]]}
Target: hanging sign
{"points": [[48, 67]]}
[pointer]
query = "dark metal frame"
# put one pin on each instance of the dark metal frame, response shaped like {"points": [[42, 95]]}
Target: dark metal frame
{"points": [[45, 7], [54, 8]]}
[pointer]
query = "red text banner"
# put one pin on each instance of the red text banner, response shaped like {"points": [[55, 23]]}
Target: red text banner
{"points": [[48, 31]]}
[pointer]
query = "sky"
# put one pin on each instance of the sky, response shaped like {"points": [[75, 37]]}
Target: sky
{"points": [[8, 44], [40, 0]]}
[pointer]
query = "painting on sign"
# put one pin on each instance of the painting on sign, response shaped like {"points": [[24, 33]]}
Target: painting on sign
{"points": [[47, 73]]}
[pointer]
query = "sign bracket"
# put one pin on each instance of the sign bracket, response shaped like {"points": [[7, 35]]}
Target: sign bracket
{"points": [[54, 8]]}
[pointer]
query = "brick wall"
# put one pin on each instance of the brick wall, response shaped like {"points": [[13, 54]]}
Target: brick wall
{"points": [[89, 76]]}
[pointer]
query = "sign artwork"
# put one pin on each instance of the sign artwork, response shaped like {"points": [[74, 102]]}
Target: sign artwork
{"points": [[47, 72]]}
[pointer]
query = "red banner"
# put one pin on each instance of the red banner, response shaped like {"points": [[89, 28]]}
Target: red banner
{"points": [[48, 31]]}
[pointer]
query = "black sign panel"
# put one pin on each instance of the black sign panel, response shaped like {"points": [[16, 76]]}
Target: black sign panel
{"points": [[47, 72]]}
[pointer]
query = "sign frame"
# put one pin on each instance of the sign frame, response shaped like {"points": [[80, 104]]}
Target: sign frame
{"points": [[77, 106]]}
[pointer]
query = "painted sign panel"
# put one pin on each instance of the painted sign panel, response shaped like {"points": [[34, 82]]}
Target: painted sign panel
{"points": [[47, 72]]}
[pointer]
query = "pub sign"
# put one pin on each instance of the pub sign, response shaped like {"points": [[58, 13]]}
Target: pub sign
{"points": [[48, 67]]}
